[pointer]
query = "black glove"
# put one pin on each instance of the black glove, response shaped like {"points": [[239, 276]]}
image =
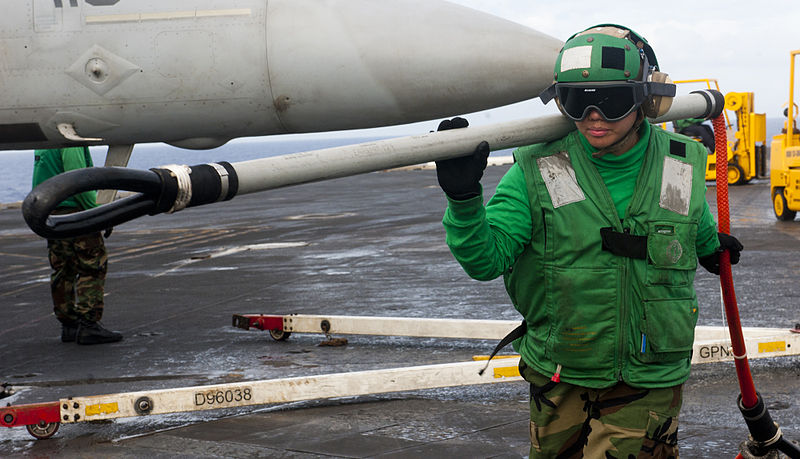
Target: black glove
{"points": [[460, 177], [726, 242]]}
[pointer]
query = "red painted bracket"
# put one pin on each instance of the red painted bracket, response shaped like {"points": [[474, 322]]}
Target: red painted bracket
{"points": [[258, 321], [31, 414]]}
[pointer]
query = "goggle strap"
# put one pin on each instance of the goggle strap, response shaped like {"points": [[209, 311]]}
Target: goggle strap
{"points": [[660, 89], [548, 94]]}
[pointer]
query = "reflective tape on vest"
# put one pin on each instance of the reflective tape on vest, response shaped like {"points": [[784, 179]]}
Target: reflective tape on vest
{"points": [[676, 186], [559, 178]]}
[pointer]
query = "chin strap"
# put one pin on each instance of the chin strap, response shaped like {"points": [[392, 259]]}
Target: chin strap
{"points": [[616, 148]]}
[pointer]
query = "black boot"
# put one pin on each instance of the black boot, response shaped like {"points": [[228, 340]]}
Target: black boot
{"points": [[68, 331], [94, 333]]}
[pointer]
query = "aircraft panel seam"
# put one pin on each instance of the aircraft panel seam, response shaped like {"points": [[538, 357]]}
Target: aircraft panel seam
{"points": [[142, 17]]}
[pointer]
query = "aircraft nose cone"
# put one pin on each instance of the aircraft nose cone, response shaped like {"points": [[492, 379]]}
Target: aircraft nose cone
{"points": [[344, 64]]}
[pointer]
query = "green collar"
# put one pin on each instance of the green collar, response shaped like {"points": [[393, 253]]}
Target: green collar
{"points": [[626, 159]]}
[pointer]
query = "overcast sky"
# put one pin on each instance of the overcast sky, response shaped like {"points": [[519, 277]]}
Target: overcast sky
{"points": [[745, 45]]}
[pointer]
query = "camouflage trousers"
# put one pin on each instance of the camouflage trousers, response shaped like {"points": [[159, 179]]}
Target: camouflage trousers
{"points": [[569, 421], [79, 275]]}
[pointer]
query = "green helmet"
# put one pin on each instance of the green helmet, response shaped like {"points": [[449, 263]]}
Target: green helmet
{"points": [[602, 53], [609, 54]]}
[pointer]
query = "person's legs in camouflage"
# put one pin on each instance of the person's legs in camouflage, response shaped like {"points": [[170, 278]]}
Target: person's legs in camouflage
{"points": [[77, 285], [91, 264], [61, 254], [569, 421], [62, 286]]}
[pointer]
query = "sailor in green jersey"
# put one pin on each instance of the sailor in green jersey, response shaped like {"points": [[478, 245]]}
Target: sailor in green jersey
{"points": [[79, 263], [696, 127], [597, 236]]}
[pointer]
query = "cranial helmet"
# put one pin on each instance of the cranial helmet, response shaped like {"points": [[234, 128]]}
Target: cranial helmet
{"points": [[612, 69]]}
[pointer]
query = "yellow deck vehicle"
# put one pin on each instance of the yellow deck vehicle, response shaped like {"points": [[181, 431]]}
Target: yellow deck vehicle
{"points": [[785, 160], [747, 147]]}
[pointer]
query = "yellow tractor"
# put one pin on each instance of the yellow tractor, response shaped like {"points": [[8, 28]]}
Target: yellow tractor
{"points": [[784, 167], [747, 148]]}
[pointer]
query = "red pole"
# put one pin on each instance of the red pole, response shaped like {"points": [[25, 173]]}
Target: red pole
{"points": [[746, 386]]}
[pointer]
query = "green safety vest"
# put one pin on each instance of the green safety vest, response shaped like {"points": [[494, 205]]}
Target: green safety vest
{"points": [[620, 310]]}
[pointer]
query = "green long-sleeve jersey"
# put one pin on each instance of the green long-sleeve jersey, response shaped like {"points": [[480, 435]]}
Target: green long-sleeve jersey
{"points": [[49, 163], [487, 240]]}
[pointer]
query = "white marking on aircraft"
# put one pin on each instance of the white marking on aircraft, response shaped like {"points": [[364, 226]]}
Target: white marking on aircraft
{"points": [[167, 15]]}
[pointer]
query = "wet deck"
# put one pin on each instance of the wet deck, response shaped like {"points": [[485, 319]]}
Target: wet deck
{"points": [[365, 245]]}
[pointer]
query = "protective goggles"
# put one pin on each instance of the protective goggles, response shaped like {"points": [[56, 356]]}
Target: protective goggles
{"points": [[613, 101]]}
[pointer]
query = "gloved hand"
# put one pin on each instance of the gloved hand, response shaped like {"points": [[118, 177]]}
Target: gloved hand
{"points": [[726, 241], [460, 177]]}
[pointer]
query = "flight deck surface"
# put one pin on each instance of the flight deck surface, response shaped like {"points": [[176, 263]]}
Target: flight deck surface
{"points": [[367, 245]]}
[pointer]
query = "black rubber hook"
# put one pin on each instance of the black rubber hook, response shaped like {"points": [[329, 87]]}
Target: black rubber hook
{"points": [[42, 200]]}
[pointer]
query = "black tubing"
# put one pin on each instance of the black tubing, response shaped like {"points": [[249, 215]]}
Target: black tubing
{"points": [[765, 434], [759, 422], [715, 102], [157, 190], [40, 203], [788, 448]]}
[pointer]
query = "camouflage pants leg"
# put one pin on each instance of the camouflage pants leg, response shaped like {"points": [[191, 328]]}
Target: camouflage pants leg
{"points": [[569, 421], [78, 278]]}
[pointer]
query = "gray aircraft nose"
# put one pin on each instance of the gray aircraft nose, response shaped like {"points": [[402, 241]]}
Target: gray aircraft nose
{"points": [[357, 63], [118, 73]]}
